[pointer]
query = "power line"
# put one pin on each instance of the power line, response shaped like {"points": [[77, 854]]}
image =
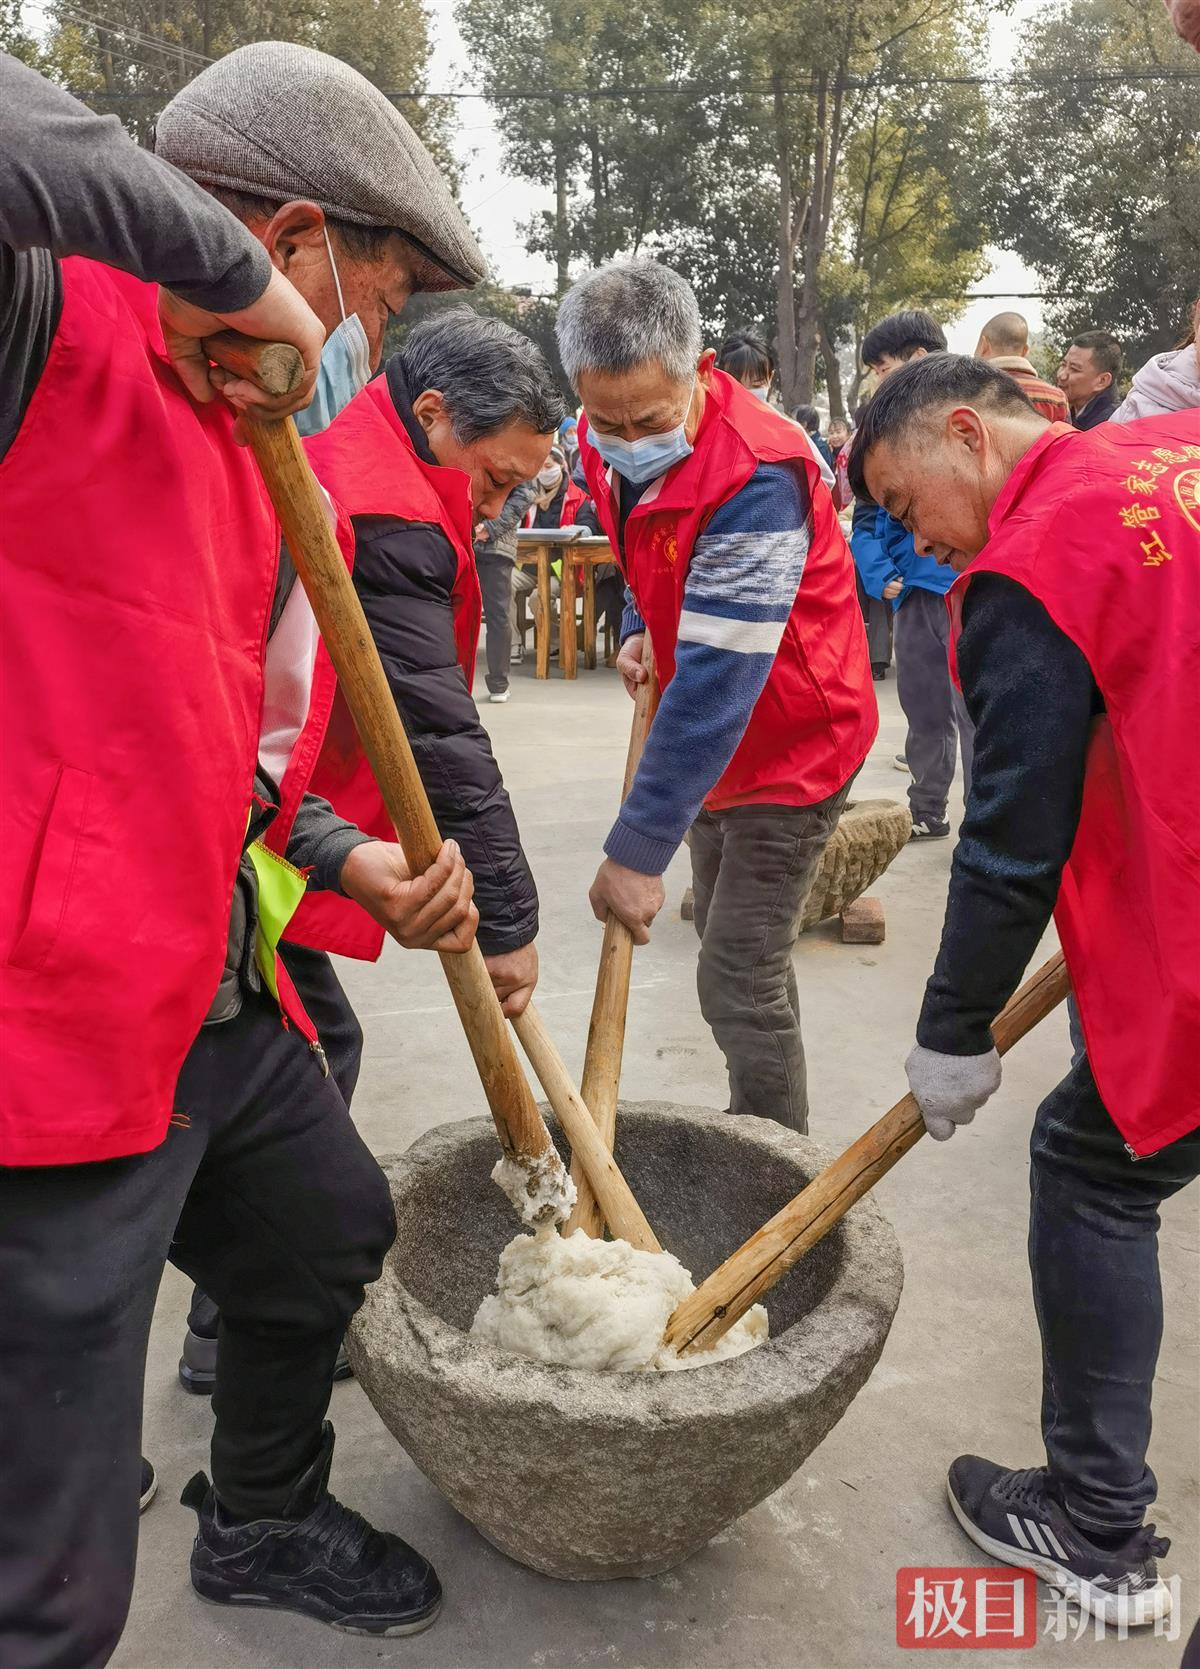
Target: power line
{"points": [[160, 43], [703, 91]]}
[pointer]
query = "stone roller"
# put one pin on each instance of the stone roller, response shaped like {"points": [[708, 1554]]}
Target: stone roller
{"points": [[537, 1176]]}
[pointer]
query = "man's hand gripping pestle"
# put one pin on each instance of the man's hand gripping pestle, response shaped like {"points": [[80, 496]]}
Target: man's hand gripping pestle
{"points": [[755, 1267], [530, 1172]]}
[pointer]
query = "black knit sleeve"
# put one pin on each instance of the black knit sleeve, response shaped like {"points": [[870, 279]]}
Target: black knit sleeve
{"points": [[1032, 697], [404, 573]]}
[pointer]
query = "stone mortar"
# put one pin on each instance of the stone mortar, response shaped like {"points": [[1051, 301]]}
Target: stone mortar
{"points": [[587, 1475], [870, 833]]}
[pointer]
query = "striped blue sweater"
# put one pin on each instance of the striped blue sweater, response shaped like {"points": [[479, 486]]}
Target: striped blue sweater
{"points": [[741, 585]]}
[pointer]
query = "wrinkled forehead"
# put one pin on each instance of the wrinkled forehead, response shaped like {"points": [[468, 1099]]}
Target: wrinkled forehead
{"points": [[641, 394]]}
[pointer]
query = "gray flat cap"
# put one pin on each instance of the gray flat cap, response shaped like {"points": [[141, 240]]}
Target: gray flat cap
{"points": [[282, 122]]}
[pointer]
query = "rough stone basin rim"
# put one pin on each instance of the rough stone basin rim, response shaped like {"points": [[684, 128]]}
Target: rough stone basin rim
{"points": [[589, 1475]]}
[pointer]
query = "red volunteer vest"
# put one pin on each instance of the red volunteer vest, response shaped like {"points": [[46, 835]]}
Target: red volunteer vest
{"points": [[816, 718], [137, 562], [572, 499], [1103, 528], [367, 462]]}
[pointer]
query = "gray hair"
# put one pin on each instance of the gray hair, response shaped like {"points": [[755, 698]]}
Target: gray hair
{"points": [[627, 314], [488, 374]]}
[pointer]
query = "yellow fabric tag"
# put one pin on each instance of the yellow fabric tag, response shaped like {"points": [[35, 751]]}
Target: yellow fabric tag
{"points": [[280, 889]]}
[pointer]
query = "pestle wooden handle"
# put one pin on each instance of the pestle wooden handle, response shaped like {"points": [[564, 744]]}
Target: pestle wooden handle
{"points": [[755, 1267], [621, 1210], [275, 366], [302, 512], [601, 1082]]}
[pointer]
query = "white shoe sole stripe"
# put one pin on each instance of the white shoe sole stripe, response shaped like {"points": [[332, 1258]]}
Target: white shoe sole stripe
{"points": [[1130, 1610]]}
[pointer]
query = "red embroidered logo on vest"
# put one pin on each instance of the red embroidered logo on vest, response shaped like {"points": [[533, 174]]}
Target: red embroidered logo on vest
{"points": [[1187, 492], [664, 545]]}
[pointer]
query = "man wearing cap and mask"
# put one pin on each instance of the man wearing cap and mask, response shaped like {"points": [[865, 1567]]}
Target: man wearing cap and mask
{"points": [[140, 558], [358, 227]]}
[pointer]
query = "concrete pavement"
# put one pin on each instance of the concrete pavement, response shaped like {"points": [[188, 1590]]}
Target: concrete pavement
{"points": [[807, 1580]]}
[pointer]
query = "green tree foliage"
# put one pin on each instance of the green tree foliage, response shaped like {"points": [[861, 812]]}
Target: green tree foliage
{"points": [[131, 56], [1101, 179], [616, 165], [731, 152], [532, 315]]}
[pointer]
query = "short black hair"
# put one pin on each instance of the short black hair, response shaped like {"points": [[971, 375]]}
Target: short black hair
{"points": [[808, 417], [1104, 349], [743, 354], [489, 375], [900, 335], [938, 379]]}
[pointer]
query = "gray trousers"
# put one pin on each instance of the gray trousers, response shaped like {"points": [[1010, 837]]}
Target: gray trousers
{"points": [[938, 723], [752, 867], [496, 583]]}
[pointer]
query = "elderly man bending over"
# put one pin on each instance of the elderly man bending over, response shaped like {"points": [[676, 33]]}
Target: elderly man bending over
{"points": [[462, 414], [736, 565]]}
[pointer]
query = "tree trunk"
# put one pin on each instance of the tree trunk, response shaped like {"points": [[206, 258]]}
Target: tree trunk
{"points": [[785, 300], [562, 249], [599, 207], [833, 375]]}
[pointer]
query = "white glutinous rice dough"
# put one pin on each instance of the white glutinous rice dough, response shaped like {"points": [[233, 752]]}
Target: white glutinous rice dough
{"points": [[540, 1189], [599, 1304]]}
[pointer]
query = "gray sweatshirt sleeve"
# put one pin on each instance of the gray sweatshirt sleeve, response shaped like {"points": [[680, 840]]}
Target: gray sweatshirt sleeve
{"points": [[74, 183], [321, 841]]}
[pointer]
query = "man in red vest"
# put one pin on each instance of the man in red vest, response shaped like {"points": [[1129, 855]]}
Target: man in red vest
{"points": [[1077, 628], [464, 412], [139, 557], [737, 567]]}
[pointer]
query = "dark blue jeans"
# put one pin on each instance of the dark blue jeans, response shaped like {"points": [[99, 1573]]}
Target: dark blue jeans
{"points": [[1093, 1253]]}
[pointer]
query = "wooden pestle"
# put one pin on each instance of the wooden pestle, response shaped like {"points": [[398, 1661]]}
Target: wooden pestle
{"points": [[601, 1081], [754, 1268], [622, 1212]]}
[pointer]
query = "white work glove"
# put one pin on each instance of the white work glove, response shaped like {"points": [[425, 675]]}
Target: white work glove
{"points": [[950, 1089]]}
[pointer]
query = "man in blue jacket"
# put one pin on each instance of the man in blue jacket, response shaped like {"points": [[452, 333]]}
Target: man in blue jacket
{"points": [[915, 586]]}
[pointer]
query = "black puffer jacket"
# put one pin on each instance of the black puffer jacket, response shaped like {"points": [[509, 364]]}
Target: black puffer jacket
{"points": [[404, 573]]}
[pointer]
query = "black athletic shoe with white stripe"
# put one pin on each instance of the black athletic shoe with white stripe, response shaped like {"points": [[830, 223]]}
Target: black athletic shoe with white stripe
{"points": [[1017, 1517]]}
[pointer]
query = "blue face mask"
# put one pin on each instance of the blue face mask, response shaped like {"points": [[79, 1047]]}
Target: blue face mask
{"points": [[643, 459], [761, 390], [345, 367]]}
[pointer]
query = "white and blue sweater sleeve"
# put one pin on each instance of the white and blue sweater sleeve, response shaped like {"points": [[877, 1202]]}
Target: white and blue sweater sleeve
{"points": [[741, 586]]}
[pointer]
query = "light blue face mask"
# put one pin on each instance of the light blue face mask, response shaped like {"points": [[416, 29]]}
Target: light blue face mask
{"points": [[345, 366], [643, 459], [761, 390]]}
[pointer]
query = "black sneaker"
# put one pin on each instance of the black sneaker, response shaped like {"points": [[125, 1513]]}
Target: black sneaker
{"points": [[198, 1364], [1017, 1517], [929, 828], [319, 1558], [149, 1486]]}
